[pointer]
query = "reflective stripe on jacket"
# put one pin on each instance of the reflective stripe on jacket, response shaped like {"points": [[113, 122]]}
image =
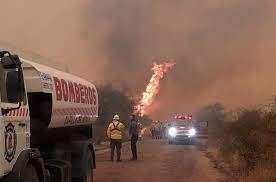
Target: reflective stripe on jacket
{"points": [[114, 130]]}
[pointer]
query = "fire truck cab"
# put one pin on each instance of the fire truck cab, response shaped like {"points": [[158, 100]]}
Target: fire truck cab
{"points": [[181, 129], [185, 129], [46, 122]]}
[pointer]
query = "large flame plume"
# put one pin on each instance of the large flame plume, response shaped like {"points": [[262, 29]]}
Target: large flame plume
{"points": [[152, 88]]}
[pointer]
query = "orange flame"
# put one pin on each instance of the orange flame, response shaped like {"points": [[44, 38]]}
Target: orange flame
{"points": [[152, 88]]}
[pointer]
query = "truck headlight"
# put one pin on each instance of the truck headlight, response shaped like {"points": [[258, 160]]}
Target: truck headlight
{"points": [[172, 132], [192, 132]]}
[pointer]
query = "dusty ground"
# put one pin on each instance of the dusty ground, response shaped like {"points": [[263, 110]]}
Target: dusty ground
{"points": [[158, 162]]}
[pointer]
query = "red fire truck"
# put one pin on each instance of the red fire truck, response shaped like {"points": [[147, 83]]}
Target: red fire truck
{"points": [[186, 129]]}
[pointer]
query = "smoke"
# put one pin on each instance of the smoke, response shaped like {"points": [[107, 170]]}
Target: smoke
{"points": [[51, 29], [224, 48]]}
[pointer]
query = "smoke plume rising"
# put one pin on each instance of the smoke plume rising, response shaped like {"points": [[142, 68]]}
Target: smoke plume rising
{"points": [[224, 48]]}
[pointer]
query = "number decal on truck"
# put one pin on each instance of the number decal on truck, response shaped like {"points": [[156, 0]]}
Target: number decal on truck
{"points": [[10, 142]]}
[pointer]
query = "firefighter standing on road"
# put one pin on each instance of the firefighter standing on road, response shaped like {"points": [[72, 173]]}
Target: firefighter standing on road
{"points": [[152, 130], [140, 128], [114, 132], [134, 132]]}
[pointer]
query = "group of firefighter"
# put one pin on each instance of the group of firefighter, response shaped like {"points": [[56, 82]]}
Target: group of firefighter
{"points": [[136, 130], [115, 134], [158, 130]]}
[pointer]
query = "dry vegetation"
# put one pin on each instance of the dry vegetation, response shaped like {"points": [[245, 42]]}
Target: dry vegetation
{"points": [[244, 141]]}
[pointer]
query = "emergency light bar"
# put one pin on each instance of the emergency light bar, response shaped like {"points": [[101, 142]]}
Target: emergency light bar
{"points": [[188, 117]]}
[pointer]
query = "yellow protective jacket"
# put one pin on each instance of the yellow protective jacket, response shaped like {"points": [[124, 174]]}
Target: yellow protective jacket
{"points": [[114, 130]]}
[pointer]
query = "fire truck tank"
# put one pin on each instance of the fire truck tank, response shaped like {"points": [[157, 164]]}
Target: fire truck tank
{"points": [[58, 99]]}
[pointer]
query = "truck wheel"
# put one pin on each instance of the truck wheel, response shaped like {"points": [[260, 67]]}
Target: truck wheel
{"points": [[30, 174], [89, 169], [193, 142]]}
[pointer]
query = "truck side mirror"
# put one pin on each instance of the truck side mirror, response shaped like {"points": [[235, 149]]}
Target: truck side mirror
{"points": [[203, 124], [10, 62], [14, 87]]}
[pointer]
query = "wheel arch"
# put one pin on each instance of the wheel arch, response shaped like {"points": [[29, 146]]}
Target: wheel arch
{"points": [[29, 156]]}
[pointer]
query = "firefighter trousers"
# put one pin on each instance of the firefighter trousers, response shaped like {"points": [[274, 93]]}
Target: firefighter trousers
{"points": [[134, 139], [116, 144]]}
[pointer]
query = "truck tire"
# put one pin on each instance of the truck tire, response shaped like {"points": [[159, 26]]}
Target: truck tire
{"points": [[89, 176], [193, 142], [30, 174]]}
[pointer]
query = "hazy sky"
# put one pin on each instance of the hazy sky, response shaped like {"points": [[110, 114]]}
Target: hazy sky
{"points": [[225, 49]]}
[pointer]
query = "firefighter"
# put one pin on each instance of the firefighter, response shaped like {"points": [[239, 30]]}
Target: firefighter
{"points": [[152, 130], [159, 130], [114, 132], [134, 132], [140, 127]]}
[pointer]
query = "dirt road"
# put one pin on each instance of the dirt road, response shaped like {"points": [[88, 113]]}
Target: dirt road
{"points": [[158, 162]]}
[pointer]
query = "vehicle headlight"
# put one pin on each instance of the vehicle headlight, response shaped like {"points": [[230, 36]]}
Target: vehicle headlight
{"points": [[172, 132], [192, 132]]}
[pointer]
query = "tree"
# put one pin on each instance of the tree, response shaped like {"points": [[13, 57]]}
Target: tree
{"points": [[111, 102]]}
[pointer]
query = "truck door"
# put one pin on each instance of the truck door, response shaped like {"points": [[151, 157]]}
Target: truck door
{"points": [[14, 118], [16, 135]]}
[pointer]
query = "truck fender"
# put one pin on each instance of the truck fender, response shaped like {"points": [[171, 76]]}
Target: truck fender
{"points": [[27, 156]]}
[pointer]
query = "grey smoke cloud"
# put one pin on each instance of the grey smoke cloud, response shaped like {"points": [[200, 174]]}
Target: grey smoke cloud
{"points": [[224, 48]]}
